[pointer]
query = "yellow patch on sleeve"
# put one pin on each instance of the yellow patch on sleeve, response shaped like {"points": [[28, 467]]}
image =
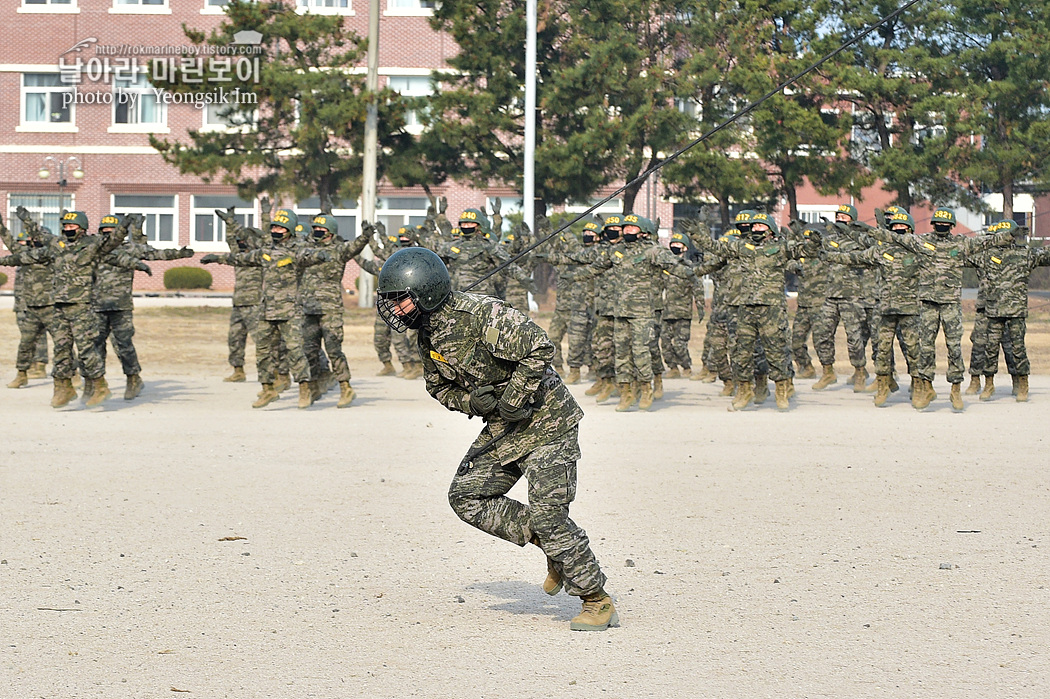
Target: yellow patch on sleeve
{"points": [[833, 244], [491, 335], [285, 262], [888, 256], [455, 250], [618, 253], [667, 273], [437, 357], [61, 244], [267, 257], [929, 246], [997, 261], [749, 246]]}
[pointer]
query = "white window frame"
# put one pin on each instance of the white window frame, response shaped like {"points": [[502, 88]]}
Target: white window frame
{"points": [[412, 122], [613, 207], [137, 7], [137, 127], [44, 126], [228, 128], [317, 7], [49, 7], [416, 11], [149, 211], [39, 212], [218, 226], [213, 9], [811, 213]]}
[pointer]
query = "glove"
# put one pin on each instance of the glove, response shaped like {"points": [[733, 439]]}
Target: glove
{"points": [[23, 214], [530, 286], [442, 204], [512, 414], [185, 252], [143, 267], [483, 400], [226, 215], [880, 217], [209, 259], [324, 256]]}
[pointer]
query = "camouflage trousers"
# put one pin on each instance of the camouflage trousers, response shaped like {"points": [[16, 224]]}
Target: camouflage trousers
{"points": [[674, 336], [980, 349], [870, 323], [633, 338], [271, 334], [932, 318], [1007, 331], [479, 498], [556, 332], [768, 325], [854, 320], [581, 325], [716, 344], [602, 347], [657, 359], [76, 325], [243, 320], [806, 318], [517, 296], [905, 328], [33, 326], [326, 328], [119, 328], [383, 336]]}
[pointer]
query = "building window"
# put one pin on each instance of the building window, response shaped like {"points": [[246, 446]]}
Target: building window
{"points": [[141, 3], [49, 6], [323, 5], [135, 102], [412, 5], [45, 99], [815, 213], [159, 211], [46, 209], [223, 117], [208, 229], [412, 86]]}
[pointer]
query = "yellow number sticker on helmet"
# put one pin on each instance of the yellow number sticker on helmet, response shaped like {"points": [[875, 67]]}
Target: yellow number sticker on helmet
{"points": [[630, 218], [468, 216]]}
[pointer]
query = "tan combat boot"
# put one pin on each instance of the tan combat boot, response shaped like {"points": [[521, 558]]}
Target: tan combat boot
{"points": [[894, 386], [21, 379], [133, 387], [607, 390], [37, 370], [89, 389], [268, 395], [414, 371], [237, 376], [658, 386], [75, 381], [306, 394], [282, 383], [989, 388], [1014, 380], [596, 388], [860, 379], [955, 396], [791, 388], [99, 391], [63, 393], [728, 388], [346, 394], [827, 378], [920, 399], [761, 388], [780, 393], [574, 376], [687, 373], [317, 390], [626, 398], [882, 390], [1022, 389], [646, 395], [711, 376], [674, 373], [387, 370], [975, 386], [807, 372], [745, 393], [552, 584], [598, 614]]}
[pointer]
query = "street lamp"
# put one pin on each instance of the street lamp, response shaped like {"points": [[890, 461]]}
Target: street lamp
{"points": [[52, 163]]}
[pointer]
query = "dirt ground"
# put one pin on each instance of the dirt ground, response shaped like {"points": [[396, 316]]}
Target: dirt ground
{"points": [[185, 543]]}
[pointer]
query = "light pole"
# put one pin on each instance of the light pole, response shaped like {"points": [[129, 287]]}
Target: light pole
{"points": [[51, 163]]}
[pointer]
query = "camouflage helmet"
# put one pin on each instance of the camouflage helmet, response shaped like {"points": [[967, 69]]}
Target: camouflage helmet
{"points": [[473, 216], [647, 226], [326, 221], [743, 218], [1008, 225], [680, 240], [611, 221], [943, 216], [79, 218], [890, 210], [849, 210], [286, 219], [900, 217], [109, 221], [757, 217]]}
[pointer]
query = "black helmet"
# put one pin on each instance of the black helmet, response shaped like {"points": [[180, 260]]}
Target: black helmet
{"points": [[416, 273]]}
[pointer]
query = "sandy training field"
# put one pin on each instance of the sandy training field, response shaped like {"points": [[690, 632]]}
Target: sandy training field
{"points": [[185, 543]]}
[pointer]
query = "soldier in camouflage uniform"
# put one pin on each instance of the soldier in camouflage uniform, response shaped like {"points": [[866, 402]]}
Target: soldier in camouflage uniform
{"points": [[979, 360], [74, 256], [247, 294], [1008, 270], [677, 318], [31, 358], [473, 256], [283, 261], [812, 287], [602, 345], [763, 311], [899, 302], [321, 299], [382, 335], [34, 304], [942, 257], [716, 339], [482, 357], [573, 314]]}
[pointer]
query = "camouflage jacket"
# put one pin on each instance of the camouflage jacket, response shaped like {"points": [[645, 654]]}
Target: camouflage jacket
{"points": [[321, 289], [474, 341], [32, 279], [282, 266], [633, 268], [247, 281], [73, 264], [679, 295], [900, 274], [942, 258], [1007, 271], [471, 258], [114, 278], [573, 295], [9, 242], [603, 285], [762, 266], [845, 281], [812, 273]]}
